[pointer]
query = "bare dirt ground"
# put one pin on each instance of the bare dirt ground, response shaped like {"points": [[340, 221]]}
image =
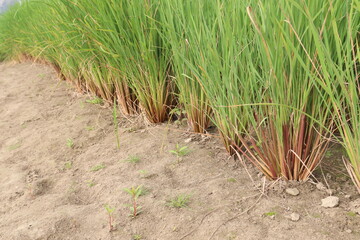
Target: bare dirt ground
{"points": [[49, 190]]}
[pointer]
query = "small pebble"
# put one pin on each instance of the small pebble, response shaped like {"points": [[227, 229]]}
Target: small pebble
{"points": [[188, 140], [348, 196], [320, 186], [330, 202], [348, 230], [292, 191], [295, 217]]}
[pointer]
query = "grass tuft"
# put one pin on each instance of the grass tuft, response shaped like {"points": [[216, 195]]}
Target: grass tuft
{"points": [[179, 201]]}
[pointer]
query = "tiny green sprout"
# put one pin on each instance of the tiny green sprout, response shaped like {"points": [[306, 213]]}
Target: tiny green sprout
{"points": [[143, 173], [70, 143], [89, 128], [135, 193], [137, 237], [97, 167], [90, 183], [269, 214], [110, 212], [231, 236], [82, 105], [95, 100], [232, 180], [351, 214], [68, 165], [179, 201], [132, 159], [180, 151], [14, 146]]}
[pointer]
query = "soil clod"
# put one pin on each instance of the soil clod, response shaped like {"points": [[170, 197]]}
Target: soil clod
{"points": [[330, 202]]}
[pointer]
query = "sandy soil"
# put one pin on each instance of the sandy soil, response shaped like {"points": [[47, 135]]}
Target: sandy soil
{"points": [[50, 191]]}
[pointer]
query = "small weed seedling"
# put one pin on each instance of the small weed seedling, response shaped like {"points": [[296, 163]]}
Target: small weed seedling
{"points": [[232, 180], [180, 152], [351, 214], [134, 192], [70, 143], [41, 75], [68, 165], [270, 214], [14, 146], [90, 183], [133, 159], [97, 167], [137, 237], [89, 128], [179, 201], [143, 173], [110, 212], [95, 100]]}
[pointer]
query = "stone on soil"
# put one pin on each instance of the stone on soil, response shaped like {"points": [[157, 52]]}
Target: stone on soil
{"points": [[330, 202], [295, 217], [292, 191], [188, 140], [320, 186]]}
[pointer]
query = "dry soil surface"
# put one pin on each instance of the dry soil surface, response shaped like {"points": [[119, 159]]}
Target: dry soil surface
{"points": [[59, 166]]}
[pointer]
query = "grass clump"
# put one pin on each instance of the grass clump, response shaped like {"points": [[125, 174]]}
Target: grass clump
{"points": [[180, 20], [97, 167], [276, 79], [70, 143], [133, 159], [179, 201]]}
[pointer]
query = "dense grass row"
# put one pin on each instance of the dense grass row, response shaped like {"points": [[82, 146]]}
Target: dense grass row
{"points": [[279, 79]]}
